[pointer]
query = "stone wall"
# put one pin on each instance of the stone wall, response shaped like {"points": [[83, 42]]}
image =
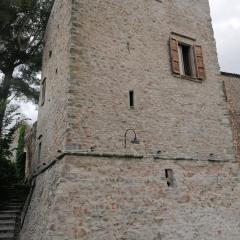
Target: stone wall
{"points": [[94, 198], [122, 46], [103, 49], [31, 148], [231, 85], [52, 118], [41, 207]]}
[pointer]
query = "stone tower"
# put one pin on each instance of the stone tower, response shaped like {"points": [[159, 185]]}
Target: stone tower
{"points": [[117, 73]]}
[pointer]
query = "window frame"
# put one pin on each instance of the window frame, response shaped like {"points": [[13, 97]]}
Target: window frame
{"points": [[196, 60]]}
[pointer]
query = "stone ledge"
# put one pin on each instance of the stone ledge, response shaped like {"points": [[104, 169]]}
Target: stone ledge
{"points": [[95, 154], [122, 156]]}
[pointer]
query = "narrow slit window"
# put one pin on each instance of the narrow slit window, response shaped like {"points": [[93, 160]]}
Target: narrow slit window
{"points": [[169, 177], [39, 151], [50, 54], [131, 99], [43, 92]]}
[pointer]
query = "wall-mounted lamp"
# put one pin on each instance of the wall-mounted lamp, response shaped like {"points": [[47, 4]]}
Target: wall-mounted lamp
{"points": [[134, 141]]}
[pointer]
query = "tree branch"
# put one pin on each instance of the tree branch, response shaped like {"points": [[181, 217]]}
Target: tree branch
{"points": [[21, 87]]}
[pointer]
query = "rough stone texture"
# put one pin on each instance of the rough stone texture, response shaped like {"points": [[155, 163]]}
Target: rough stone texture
{"points": [[42, 204], [231, 84], [181, 118], [52, 118], [103, 49], [30, 148], [100, 198]]}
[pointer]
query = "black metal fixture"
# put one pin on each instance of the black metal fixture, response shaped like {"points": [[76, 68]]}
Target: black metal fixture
{"points": [[134, 141]]}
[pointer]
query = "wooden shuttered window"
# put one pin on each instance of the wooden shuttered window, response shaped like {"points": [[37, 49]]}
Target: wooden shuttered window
{"points": [[200, 69], [174, 56]]}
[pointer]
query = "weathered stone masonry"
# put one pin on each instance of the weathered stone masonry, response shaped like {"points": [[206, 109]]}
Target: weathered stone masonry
{"points": [[91, 186], [231, 85]]}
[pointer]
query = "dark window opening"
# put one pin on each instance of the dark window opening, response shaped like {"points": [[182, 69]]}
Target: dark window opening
{"points": [[50, 54], [186, 60], [39, 151], [43, 91], [131, 99], [169, 177]]}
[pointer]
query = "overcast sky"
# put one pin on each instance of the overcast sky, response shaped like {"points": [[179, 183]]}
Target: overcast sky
{"points": [[226, 25]]}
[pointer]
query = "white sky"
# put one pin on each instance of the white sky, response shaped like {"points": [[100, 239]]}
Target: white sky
{"points": [[226, 25]]}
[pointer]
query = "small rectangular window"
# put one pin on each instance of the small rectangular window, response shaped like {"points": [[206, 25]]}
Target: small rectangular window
{"points": [[169, 177], [43, 91], [50, 54], [131, 99]]}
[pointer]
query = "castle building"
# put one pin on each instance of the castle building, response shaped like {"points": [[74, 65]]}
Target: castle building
{"points": [[134, 136]]}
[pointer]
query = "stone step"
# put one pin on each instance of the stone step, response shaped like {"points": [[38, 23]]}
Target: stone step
{"points": [[10, 193], [15, 202], [7, 222], [12, 199], [6, 229], [8, 217], [11, 207], [14, 212], [7, 198], [4, 197], [7, 235]]}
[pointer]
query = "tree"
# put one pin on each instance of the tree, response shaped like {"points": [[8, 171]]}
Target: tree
{"points": [[11, 122], [22, 27]]}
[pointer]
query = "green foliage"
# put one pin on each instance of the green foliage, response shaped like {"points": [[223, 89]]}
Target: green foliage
{"points": [[10, 124], [22, 27], [20, 156]]}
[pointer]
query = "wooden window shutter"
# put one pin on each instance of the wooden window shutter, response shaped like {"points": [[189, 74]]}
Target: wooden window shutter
{"points": [[199, 62], [174, 55]]}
